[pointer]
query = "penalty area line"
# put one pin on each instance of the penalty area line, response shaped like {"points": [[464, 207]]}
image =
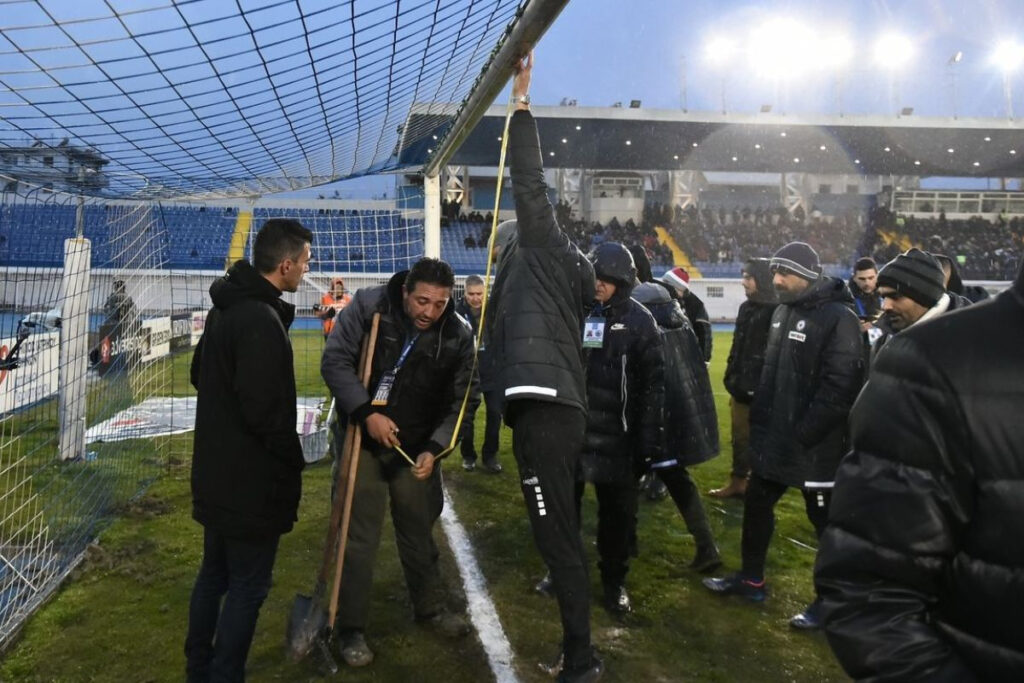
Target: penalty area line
{"points": [[478, 601]]}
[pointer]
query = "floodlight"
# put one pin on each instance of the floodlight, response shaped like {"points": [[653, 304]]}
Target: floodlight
{"points": [[634, 104], [1008, 56], [781, 48], [833, 52], [766, 108], [906, 111], [719, 50], [893, 51]]}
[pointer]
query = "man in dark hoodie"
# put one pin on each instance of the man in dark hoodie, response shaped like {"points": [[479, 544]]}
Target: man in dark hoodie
{"points": [[470, 307], [535, 333], [743, 368], [814, 367], [422, 366], [247, 459]]}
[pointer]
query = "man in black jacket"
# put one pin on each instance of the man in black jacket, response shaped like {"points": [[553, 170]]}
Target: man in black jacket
{"points": [[864, 285], [743, 368], [625, 397], [535, 323], [247, 459], [470, 307], [422, 367], [921, 564], [814, 367]]}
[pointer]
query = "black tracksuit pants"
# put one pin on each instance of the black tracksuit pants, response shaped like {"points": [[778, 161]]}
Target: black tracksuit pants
{"points": [[616, 528], [546, 441], [759, 520]]}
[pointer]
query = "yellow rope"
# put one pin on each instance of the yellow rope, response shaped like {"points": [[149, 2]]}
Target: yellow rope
{"points": [[487, 275]]}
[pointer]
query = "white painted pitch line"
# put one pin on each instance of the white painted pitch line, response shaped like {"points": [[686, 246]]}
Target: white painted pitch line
{"points": [[479, 604]]}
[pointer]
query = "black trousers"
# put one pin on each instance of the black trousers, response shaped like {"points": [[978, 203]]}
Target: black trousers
{"points": [[219, 635], [759, 519], [546, 441], [616, 528], [493, 404]]}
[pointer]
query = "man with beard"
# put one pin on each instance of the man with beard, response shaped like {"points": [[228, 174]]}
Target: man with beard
{"points": [[814, 367], [913, 290]]}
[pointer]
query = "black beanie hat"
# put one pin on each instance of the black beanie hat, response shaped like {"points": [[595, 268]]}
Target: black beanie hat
{"points": [[914, 274], [799, 258]]}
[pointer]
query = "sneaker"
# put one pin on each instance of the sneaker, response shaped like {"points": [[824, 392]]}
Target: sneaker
{"points": [[735, 584], [809, 619], [591, 674], [655, 489], [468, 465], [545, 586], [706, 560], [354, 649], [448, 624], [491, 467], [616, 600]]}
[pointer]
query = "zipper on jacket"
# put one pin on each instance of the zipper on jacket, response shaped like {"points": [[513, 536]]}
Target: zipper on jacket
{"points": [[625, 397]]}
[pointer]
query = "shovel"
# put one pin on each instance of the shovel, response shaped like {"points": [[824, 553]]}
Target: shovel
{"points": [[312, 617]]}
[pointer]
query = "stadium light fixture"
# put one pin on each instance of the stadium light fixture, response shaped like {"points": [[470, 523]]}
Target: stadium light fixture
{"points": [[833, 52], [719, 50], [781, 48], [893, 51], [1008, 56]]}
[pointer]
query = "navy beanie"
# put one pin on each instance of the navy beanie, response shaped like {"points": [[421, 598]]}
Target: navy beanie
{"points": [[915, 274], [799, 258]]}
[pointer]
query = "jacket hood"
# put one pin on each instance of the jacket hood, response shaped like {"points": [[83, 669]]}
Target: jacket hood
{"points": [[242, 282], [825, 290], [956, 283], [642, 262], [656, 299], [761, 272]]}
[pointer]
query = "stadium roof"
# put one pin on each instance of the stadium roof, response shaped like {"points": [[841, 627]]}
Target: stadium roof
{"points": [[204, 97], [643, 140]]}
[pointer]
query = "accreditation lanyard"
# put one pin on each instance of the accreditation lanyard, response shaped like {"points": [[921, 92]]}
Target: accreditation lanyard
{"points": [[593, 328], [387, 380]]}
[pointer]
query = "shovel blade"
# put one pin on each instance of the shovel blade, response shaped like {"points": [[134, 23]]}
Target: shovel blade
{"points": [[306, 623]]}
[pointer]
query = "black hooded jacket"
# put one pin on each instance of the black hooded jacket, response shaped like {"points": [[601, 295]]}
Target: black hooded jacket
{"points": [[754, 319], [247, 459], [535, 315], [814, 367], [625, 392], [691, 423], [921, 567], [427, 395]]}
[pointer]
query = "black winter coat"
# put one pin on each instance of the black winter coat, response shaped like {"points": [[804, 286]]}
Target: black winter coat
{"points": [[864, 305], [814, 367], [484, 363], [427, 395], [701, 321], [922, 565], [246, 460], [746, 356], [691, 422], [956, 302], [543, 285], [625, 393]]}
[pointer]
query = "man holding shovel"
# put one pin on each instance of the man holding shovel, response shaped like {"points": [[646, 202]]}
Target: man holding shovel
{"points": [[420, 370]]}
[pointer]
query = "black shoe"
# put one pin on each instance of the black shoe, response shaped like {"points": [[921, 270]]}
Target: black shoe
{"points": [[809, 619], [735, 584], [656, 489], [616, 600], [591, 674], [468, 465], [491, 467], [545, 586], [448, 624], [706, 560]]}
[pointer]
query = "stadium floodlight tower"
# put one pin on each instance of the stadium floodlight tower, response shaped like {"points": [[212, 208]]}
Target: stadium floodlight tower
{"points": [[522, 36], [893, 53], [1008, 56], [718, 53]]}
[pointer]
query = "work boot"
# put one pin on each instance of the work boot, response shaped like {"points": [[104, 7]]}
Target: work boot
{"points": [[707, 559], [736, 488], [354, 649], [545, 586], [616, 600], [735, 584], [448, 624]]}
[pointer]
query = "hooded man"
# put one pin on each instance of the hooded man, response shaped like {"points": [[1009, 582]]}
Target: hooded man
{"points": [[743, 368], [814, 367]]}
